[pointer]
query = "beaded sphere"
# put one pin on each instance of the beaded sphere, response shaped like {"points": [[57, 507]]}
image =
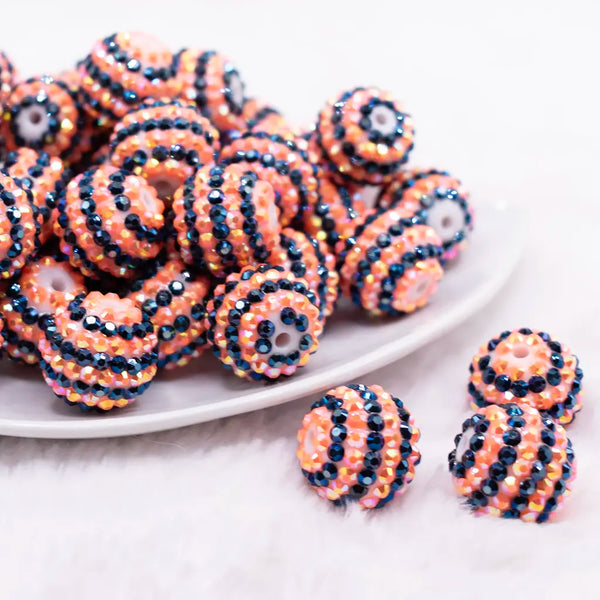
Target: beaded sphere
{"points": [[226, 218], [364, 135], [99, 351], [163, 141], [19, 226], [110, 221], [122, 70], [332, 213], [390, 263], [358, 443], [7, 77], [527, 367], [45, 176], [310, 259], [212, 82], [260, 116], [263, 323], [280, 162], [44, 114], [174, 300], [440, 199], [31, 298], [510, 461]]}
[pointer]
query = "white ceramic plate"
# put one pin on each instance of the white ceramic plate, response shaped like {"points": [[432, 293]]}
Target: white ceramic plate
{"points": [[352, 346]]}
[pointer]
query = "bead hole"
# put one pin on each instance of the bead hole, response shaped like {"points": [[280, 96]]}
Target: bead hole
{"points": [[380, 119], [521, 351], [58, 285], [164, 188], [35, 116], [447, 222], [283, 339]]}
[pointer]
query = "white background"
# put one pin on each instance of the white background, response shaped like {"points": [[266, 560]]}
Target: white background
{"points": [[505, 95]]}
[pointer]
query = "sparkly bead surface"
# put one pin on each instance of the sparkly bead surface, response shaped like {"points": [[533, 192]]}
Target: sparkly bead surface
{"points": [[31, 298], [99, 351], [211, 81], [309, 258], [364, 135], [510, 461], [358, 443], [19, 226], [110, 221], [226, 218], [7, 77], [122, 70], [45, 176], [527, 367], [284, 165], [328, 216], [43, 113], [163, 141], [174, 300], [389, 262], [263, 322], [260, 116], [439, 199]]}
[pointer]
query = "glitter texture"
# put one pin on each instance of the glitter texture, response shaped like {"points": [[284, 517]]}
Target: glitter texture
{"points": [[527, 367], [511, 462], [358, 443]]}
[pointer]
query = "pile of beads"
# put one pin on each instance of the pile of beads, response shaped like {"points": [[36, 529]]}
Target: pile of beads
{"points": [[153, 174]]}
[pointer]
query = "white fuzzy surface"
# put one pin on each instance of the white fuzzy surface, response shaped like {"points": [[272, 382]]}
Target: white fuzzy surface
{"points": [[503, 96]]}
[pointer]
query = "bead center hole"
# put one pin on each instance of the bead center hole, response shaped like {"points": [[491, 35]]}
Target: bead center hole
{"points": [[58, 285], [164, 188], [447, 222], [283, 339], [35, 116], [521, 351]]}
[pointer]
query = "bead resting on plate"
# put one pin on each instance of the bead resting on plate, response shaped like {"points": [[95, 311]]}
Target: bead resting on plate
{"points": [[439, 199], [358, 443], [99, 351], [512, 462], [264, 322]]}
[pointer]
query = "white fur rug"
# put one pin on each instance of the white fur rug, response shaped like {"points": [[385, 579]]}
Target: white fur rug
{"points": [[502, 96]]}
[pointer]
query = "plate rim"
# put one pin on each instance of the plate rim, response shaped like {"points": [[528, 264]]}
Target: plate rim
{"points": [[136, 424]]}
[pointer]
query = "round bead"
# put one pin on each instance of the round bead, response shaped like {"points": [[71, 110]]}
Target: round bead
{"points": [[43, 113], [84, 364], [513, 473], [521, 366], [110, 221], [439, 199], [364, 135], [163, 141], [389, 262], [284, 165], [122, 70], [174, 298], [212, 82], [19, 226], [236, 321], [226, 218], [45, 176], [31, 298], [349, 452], [309, 259]]}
